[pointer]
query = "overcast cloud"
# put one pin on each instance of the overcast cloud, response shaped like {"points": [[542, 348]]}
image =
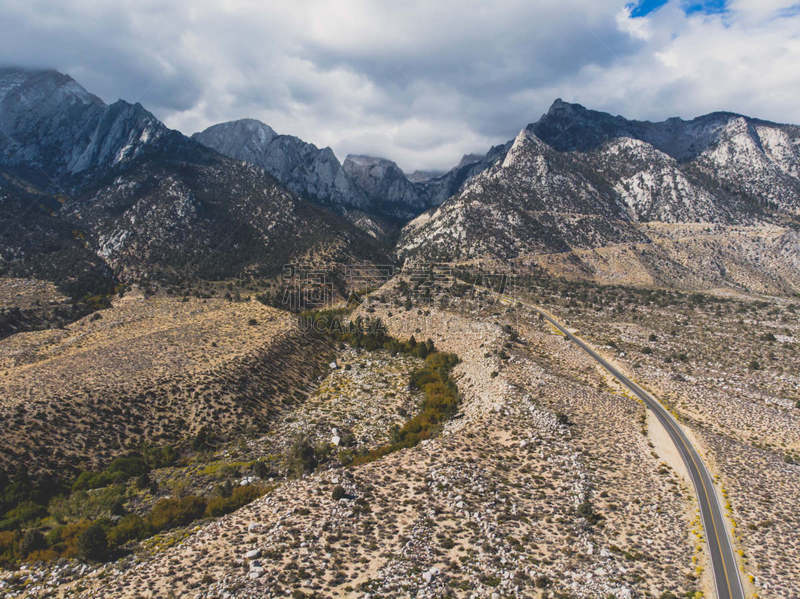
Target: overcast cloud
{"points": [[420, 83]]}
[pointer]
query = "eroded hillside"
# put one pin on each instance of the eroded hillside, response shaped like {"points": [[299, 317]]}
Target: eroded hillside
{"points": [[148, 370]]}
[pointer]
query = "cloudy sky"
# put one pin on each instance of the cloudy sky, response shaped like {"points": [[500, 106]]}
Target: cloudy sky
{"points": [[419, 82]]}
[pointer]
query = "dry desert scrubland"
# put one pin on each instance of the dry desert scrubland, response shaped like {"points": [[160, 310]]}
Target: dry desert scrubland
{"points": [[147, 370], [544, 484], [729, 367], [548, 481]]}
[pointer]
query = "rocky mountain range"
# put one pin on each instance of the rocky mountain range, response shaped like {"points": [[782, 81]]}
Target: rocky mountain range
{"points": [[373, 192], [95, 192], [57, 135], [302, 167], [578, 180], [114, 185]]}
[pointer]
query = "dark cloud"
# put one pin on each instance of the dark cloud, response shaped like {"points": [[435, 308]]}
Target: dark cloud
{"points": [[419, 82]]}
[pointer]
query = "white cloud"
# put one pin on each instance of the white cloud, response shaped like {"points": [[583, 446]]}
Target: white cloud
{"points": [[694, 65], [419, 82], [637, 28]]}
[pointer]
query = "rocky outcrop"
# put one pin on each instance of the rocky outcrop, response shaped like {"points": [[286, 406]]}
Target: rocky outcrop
{"points": [[311, 172], [56, 134], [386, 186]]}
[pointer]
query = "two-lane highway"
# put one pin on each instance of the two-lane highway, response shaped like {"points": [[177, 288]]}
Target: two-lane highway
{"points": [[723, 562]]}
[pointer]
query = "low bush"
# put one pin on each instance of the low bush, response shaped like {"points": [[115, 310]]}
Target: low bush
{"points": [[172, 512], [159, 457], [119, 470], [87, 505], [92, 543], [440, 402], [32, 540], [8, 542], [239, 497], [22, 514], [586, 510], [64, 539], [338, 493], [129, 528], [260, 469], [19, 489], [302, 457]]}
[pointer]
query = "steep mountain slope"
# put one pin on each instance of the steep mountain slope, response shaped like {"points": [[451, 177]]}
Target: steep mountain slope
{"points": [[652, 185], [579, 180], [734, 154], [302, 167], [372, 192], [57, 135], [172, 219], [146, 201], [386, 186], [536, 200], [37, 242], [440, 187]]}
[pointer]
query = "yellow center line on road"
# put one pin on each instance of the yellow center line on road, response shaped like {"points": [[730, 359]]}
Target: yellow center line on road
{"points": [[667, 418], [708, 501]]}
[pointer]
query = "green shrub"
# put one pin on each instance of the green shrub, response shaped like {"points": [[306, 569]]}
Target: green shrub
{"points": [[204, 439], [302, 457], [92, 543], [119, 470], [21, 489], [117, 508], [64, 539], [345, 457], [338, 492], [22, 514], [260, 469], [172, 512], [129, 528], [160, 457], [32, 540], [89, 505], [241, 496], [586, 510], [8, 543], [128, 466]]}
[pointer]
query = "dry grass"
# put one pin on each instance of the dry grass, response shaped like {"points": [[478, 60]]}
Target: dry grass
{"points": [[543, 483], [152, 370], [28, 293]]}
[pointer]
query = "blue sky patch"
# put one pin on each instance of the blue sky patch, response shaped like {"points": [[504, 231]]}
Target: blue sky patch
{"points": [[708, 7], [645, 7]]}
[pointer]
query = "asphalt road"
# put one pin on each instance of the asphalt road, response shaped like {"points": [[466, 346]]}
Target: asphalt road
{"points": [[723, 563]]}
